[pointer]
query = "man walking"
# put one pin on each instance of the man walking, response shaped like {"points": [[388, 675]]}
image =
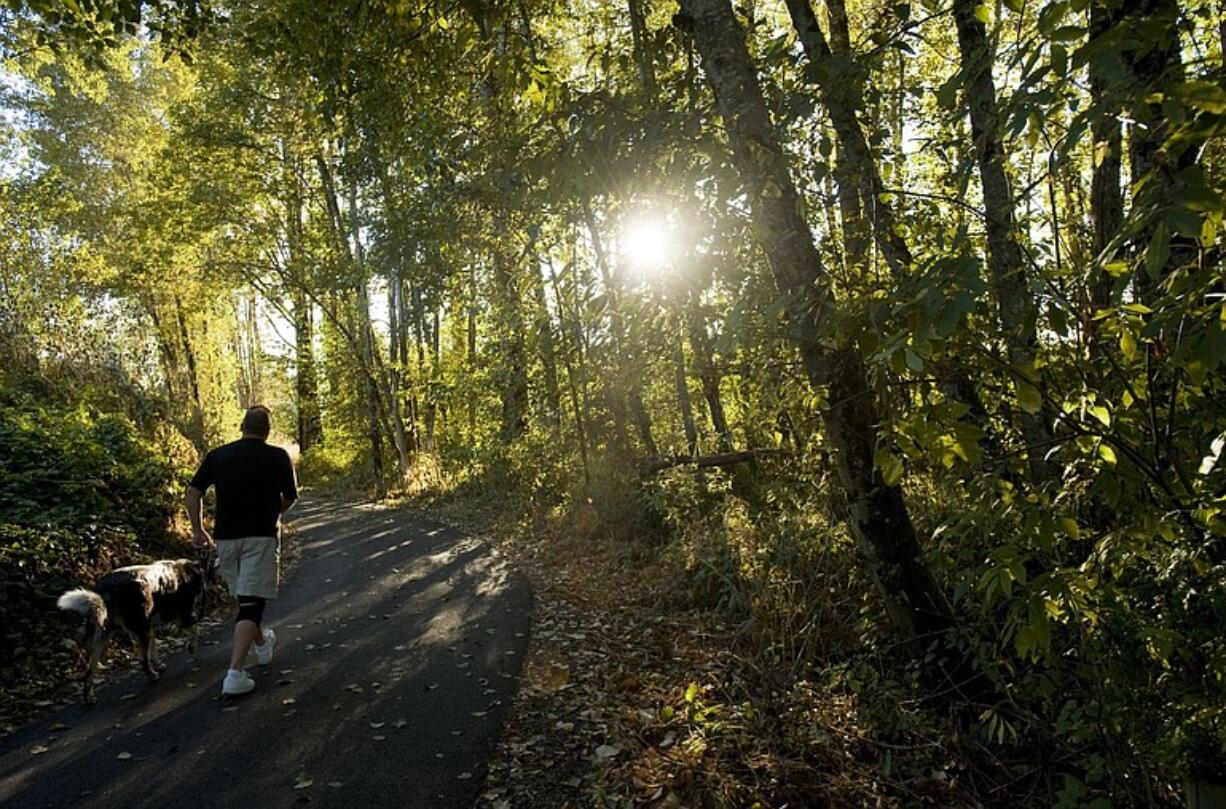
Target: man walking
{"points": [[255, 486]]}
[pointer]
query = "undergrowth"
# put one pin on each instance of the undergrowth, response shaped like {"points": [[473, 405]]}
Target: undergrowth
{"points": [[764, 552]]}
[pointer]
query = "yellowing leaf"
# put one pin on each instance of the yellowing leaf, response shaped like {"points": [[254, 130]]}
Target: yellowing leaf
{"points": [[1028, 397], [1128, 344], [1070, 527], [1107, 454], [890, 465]]}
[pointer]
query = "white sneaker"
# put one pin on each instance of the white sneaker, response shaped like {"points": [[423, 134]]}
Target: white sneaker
{"points": [[237, 683], [263, 654]]}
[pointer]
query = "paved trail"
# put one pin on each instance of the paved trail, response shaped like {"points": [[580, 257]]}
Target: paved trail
{"points": [[400, 642]]}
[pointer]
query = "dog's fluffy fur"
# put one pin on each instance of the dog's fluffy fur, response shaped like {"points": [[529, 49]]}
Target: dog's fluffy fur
{"points": [[136, 599]]}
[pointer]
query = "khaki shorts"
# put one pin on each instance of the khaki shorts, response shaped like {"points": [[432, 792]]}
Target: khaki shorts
{"points": [[250, 566]]}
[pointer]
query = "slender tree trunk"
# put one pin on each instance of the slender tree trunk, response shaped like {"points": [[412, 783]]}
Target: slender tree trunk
{"points": [[166, 351], [686, 406], [878, 515], [575, 376], [306, 387], [708, 375], [856, 172], [513, 370], [642, 59], [193, 378], [1015, 306], [1156, 67], [1106, 195], [545, 340], [471, 354]]}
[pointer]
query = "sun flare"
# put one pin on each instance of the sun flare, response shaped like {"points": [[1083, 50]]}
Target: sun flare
{"points": [[647, 244]]}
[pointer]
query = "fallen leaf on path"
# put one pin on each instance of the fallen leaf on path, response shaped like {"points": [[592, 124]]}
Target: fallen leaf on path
{"points": [[379, 738], [607, 751], [464, 776], [303, 781], [124, 756], [399, 723], [377, 725], [38, 749], [336, 784]]}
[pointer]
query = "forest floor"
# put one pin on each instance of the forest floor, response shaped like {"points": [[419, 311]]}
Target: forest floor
{"points": [[629, 700]]}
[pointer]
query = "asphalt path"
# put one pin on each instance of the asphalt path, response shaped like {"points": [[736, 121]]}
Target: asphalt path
{"points": [[399, 644]]}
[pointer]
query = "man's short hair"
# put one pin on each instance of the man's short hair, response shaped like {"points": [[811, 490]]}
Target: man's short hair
{"points": [[257, 421]]}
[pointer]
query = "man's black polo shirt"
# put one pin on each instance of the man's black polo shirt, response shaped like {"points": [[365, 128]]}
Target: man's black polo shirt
{"points": [[251, 477]]}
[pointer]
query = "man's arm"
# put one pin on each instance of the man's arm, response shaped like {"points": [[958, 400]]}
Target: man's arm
{"points": [[289, 485], [200, 537], [200, 483]]}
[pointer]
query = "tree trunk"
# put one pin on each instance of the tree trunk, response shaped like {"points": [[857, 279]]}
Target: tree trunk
{"points": [[545, 340], [575, 376], [1106, 196], [686, 406], [857, 172], [1015, 306], [708, 374], [193, 378], [513, 370], [878, 515], [642, 59], [306, 386]]}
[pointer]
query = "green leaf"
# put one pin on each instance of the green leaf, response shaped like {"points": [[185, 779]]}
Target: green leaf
{"points": [[691, 692], [1068, 33], [1102, 414], [1158, 250], [1070, 527], [1107, 453], [1028, 397], [890, 465], [983, 13], [1128, 344]]}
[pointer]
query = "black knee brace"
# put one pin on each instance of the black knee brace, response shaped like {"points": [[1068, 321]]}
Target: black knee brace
{"points": [[251, 608]]}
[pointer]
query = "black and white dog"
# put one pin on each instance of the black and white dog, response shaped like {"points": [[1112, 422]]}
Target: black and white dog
{"points": [[137, 599]]}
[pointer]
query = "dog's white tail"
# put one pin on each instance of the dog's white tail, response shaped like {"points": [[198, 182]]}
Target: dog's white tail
{"points": [[86, 602]]}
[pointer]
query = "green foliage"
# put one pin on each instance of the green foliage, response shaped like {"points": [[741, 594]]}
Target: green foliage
{"points": [[80, 493], [68, 468]]}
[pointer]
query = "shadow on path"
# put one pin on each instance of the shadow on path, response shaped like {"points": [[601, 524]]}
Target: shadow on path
{"points": [[399, 645]]}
